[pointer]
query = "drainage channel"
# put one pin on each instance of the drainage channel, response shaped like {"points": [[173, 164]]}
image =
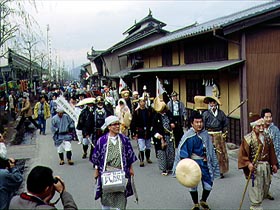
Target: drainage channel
{"points": [[24, 136]]}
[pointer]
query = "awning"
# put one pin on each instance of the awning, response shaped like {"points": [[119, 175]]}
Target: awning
{"points": [[209, 66], [119, 74]]}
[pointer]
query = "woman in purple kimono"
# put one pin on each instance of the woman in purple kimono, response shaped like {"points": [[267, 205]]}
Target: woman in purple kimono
{"points": [[114, 141]]}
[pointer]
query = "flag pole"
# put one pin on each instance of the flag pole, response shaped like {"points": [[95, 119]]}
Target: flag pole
{"points": [[157, 79], [126, 86]]}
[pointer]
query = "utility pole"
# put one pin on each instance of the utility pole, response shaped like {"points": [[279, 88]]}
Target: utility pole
{"points": [[49, 50]]}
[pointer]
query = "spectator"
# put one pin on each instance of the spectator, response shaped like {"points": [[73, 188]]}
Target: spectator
{"points": [[12, 104], [3, 149], [26, 112], [53, 104], [42, 113], [10, 180], [41, 187]]}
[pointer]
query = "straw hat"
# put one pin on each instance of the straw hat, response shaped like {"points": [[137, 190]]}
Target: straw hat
{"points": [[159, 104], [208, 99], [199, 103], [188, 173], [124, 93], [86, 101]]}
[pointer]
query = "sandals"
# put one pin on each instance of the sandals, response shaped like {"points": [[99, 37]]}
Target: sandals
{"points": [[164, 173], [195, 207], [61, 162], [204, 205]]}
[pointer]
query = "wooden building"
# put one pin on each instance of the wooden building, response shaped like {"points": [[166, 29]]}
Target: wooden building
{"points": [[108, 63], [238, 54]]}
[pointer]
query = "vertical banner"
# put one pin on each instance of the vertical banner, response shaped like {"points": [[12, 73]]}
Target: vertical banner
{"points": [[122, 85], [159, 87]]}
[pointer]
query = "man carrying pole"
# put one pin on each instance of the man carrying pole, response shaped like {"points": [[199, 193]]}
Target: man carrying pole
{"points": [[257, 170]]}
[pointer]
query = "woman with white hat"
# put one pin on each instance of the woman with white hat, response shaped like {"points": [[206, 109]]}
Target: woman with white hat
{"points": [[113, 151]]}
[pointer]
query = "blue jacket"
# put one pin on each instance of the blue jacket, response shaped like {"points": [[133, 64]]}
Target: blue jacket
{"points": [[10, 180], [212, 162]]}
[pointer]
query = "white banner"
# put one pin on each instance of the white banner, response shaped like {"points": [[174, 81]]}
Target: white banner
{"points": [[122, 85], [159, 87], [67, 108]]}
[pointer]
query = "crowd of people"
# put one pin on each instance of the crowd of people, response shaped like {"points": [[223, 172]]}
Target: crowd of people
{"points": [[104, 125]]}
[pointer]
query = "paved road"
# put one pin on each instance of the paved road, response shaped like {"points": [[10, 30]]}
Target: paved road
{"points": [[155, 191]]}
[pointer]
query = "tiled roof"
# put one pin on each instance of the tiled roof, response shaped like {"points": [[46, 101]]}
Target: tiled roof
{"points": [[210, 25], [119, 74], [132, 39], [19, 61]]}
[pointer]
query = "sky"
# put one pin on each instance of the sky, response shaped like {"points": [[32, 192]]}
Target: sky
{"points": [[75, 26]]}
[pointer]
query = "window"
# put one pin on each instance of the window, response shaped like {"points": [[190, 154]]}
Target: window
{"points": [[205, 50], [194, 87], [167, 56], [234, 133]]}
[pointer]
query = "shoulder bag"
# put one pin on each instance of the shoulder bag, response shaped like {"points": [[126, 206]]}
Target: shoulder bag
{"points": [[113, 181]]}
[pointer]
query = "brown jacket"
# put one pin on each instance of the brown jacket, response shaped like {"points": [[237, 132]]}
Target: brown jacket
{"points": [[248, 149], [26, 110]]}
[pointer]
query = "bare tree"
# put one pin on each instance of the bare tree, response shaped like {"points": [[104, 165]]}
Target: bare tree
{"points": [[14, 20]]}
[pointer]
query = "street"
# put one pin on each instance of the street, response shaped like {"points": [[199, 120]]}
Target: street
{"points": [[155, 191]]}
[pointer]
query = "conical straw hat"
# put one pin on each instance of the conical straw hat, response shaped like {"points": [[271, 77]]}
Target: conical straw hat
{"points": [[199, 103], [188, 173], [209, 98], [159, 104], [86, 101]]}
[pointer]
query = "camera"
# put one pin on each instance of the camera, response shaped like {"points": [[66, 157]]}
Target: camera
{"points": [[55, 180]]}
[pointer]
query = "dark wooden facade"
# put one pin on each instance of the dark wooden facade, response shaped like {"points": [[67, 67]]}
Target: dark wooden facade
{"points": [[263, 69]]}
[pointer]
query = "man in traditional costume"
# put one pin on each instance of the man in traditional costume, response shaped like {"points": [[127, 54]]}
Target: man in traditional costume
{"points": [[100, 114], [62, 126], [274, 133], [126, 97], [162, 132], [179, 115], [196, 144], [107, 157], [257, 158], [141, 130], [134, 101], [86, 123], [216, 122]]}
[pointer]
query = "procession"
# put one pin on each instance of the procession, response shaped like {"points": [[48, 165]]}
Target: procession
{"points": [[105, 128], [161, 119]]}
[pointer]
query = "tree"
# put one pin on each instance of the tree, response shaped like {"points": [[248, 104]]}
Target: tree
{"points": [[14, 20]]}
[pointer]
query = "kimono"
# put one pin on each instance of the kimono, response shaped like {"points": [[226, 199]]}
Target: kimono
{"points": [[216, 125], [261, 177], [61, 128], [187, 149], [274, 134], [128, 157]]}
